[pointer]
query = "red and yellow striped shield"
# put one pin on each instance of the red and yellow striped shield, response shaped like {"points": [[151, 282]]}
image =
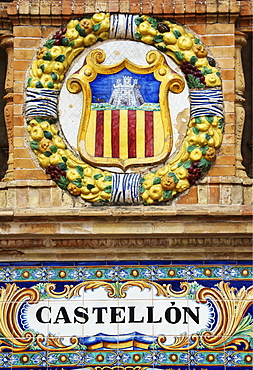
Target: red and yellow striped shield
{"points": [[124, 135]]}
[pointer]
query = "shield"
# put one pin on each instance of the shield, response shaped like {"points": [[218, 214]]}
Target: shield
{"points": [[125, 118]]}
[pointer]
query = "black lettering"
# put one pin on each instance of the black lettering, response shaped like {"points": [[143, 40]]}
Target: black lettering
{"points": [[63, 312], [132, 315], [117, 315], [39, 315], [82, 313], [176, 313], [191, 314], [151, 315], [99, 314]]}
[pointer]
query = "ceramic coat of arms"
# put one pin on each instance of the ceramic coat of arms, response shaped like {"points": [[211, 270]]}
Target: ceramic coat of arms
{"points": [[124, 108]]}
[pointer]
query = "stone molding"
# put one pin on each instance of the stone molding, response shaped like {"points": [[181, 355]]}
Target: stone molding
{"points": [[240, 42], [6, 43]]}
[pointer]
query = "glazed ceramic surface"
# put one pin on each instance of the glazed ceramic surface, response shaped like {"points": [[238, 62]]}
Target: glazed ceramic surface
{"points": [[161, 315]]}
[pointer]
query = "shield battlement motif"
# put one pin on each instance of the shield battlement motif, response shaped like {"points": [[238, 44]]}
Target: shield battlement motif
{"points": [[125, 117]]}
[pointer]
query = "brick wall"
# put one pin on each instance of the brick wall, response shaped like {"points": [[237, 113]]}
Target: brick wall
{"points": [[214, 22]]}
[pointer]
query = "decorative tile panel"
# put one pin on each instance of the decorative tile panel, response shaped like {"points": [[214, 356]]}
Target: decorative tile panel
{"points": [[99, 316]]}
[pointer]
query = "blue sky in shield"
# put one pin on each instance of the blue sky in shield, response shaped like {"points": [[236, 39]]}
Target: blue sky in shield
{"points": [[102, 86]]}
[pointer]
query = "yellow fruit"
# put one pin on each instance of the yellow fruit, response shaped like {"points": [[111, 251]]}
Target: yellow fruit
{"points": [[146, 29], [169, 38], [184, 42], [98, 17], [147, 40]]}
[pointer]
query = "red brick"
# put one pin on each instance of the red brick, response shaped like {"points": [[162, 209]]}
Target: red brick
{"points": [[220, 40], [30, 175], [113, 6], [200, 6], [78, 7], [158, 7], [190, 198], [24, 31], [214, 194], [227, 149], [23, 163], [225, 160], [124, 6], [222, 171]]}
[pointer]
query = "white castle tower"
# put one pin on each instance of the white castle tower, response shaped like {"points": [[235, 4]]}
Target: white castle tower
{"points": [[126, 94]]}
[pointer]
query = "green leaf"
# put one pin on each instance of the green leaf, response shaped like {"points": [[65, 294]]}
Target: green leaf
{"points": [[47, 56], [194, 82], [53, 148], [161, 48], [195, 130], [48, 135], [60, 58], [204, 149], [39, 119], [65, 42], [80, 170], [54, 76], [90, 186], [82, 32], [34, 145], [71, 44], [77, 182], [50, 85], [62, 183], [187, 164], [190, 148], [218, 74], [179, 56], [137, 35], [49, 44], [167, 194], [64, 159], [42, 67], [197, 41], [198, 119], [142, 189], [158, 38], [142, 180], [78, 27], [209, 119], [138, 21], [29, 81], [108, 189], [39, 85], [108, 178], [177, 34], [204, 164], [96, 27], [206, 71], [193, 60], [157, 180], [62, 166], [207, 136], [180, 164], [171, 174], [47, 153], [97, 176]]}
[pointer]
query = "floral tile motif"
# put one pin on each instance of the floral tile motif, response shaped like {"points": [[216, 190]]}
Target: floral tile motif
{"points": [[126, 316]]}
